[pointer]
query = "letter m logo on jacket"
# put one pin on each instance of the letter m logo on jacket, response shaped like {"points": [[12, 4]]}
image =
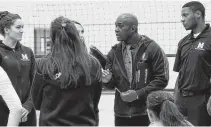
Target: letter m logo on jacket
{"points": [[24, 57], [200, 46]]}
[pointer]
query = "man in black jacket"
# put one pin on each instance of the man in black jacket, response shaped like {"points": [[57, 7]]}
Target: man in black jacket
{"points": [[136, 66], [193, 62]]}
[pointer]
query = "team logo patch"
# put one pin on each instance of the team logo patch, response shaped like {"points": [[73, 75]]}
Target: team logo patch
{"points": [[24, 57], [200, 46]]}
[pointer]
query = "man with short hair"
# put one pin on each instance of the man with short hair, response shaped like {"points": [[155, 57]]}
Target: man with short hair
{"points": [[193, 62], [135, 67]]}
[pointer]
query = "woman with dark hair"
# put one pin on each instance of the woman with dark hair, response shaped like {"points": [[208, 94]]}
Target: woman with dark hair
{"points": [[80, 29], [19, 63], [163, 112], [67, 85]]}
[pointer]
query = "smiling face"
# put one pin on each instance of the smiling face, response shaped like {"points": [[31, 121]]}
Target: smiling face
{"points": [[15, 31], [189, 20]]}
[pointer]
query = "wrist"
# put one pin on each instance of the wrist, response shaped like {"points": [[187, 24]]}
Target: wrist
{"points": [[106, 82], [137, 97]]}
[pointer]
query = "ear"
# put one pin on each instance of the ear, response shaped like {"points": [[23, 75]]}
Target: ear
{"points": [[198, 14], [134, 28], [6, 30]]}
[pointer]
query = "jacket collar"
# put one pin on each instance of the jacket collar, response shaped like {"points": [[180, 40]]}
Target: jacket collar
{"points": [[135, 45], [18, 45], [205, 32], [144, 41]]}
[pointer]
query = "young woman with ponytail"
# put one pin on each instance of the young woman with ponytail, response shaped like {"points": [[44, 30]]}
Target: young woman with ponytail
{"points": [[163, 112], [67, 85]]}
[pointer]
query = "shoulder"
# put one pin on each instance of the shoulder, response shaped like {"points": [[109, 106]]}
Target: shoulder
{"points": [[40, 63], [153, 47], [94, 62], [95, 69], [116, 46], [184, 39], [150, 43], [26, 49]]}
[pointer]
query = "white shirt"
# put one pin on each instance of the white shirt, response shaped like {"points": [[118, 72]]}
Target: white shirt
{"points": [[195, 35], [11, 98]]}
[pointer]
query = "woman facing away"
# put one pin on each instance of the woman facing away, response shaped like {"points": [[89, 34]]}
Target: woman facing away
{"points": [[67, 85], [19, 63], [163, 112], [11, 99]]}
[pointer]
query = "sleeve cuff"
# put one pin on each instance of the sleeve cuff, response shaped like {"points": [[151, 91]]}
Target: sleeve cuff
{"points": [[27, 107], [140, 93]]}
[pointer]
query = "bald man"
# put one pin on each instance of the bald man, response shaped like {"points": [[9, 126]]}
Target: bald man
{"points": [[136, 66]]}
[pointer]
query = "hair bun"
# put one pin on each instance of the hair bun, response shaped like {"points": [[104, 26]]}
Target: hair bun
{"points": [[3, 14]]}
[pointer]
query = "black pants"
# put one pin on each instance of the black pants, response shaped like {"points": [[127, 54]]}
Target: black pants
{"points": [[194, 108], [142, 120]]}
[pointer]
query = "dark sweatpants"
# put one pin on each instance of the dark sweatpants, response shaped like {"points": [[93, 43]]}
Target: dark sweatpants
{"points": [[133, 121], [194, 108]]}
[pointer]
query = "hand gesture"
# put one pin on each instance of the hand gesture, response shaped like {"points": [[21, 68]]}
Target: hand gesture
{"points": [[129, 96], [25, 113], [106, 76], [209, 106]]}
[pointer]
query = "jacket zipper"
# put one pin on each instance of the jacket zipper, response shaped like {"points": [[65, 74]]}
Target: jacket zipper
{"points": [[146, 74], [130, 103], [19, 70], [17, 62]]}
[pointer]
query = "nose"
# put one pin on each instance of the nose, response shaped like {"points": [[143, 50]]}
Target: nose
{"points": [[182, 20], [21, 30], [116, 29]]}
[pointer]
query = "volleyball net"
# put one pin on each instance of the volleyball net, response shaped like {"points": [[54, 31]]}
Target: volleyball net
{"points": [[159, 20]]}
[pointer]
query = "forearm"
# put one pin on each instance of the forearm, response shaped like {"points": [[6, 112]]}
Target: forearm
{"points": [[13, 103], [28, 105], [154, 85], [11, 98], [15, 110]]}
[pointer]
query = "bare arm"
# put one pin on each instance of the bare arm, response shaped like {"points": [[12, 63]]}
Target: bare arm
{"points": [[11, 98]]}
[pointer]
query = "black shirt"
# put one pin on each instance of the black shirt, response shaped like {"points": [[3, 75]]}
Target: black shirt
{"points": [[193, 61]]}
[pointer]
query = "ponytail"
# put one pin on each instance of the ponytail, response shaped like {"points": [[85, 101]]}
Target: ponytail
{"points": [[170, 115], [68, 56]]}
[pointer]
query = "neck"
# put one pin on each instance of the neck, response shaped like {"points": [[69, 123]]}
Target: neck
{"points": [[199, 28], [9, 42], [133, 39]]}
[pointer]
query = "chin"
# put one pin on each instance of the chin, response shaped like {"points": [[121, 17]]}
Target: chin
{"points": [[187, 28], [119, 39], [19, 39]]}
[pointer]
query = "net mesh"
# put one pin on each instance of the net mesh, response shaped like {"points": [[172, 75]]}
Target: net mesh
{"points": [[159, 20]]}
